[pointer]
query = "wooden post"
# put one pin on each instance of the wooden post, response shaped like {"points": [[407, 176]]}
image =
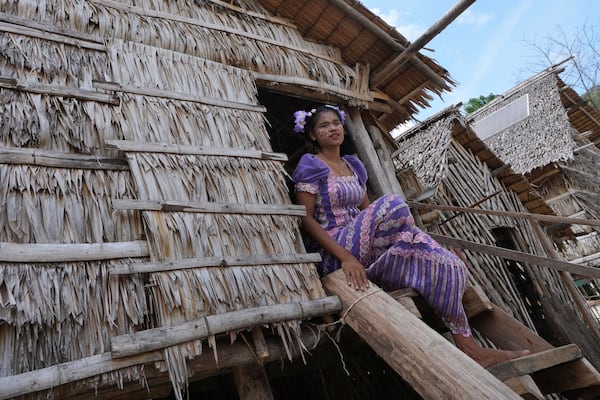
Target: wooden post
{"points": [[567, 280], [385, 159], [367, 153], [433, 366], [252, 383]]}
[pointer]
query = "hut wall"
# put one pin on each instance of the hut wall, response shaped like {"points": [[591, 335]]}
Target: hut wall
{"points": [[466, 182], [162, 90], [545, 136]]}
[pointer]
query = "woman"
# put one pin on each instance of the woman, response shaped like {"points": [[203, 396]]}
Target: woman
{"points": [[376, 241]]}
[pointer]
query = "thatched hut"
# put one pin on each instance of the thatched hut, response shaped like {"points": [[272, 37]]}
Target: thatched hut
{"points": [[552, 136], [460, 177], [146, 219]]}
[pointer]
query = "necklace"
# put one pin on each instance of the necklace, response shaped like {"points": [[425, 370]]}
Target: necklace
{"points": [[339, 171]]}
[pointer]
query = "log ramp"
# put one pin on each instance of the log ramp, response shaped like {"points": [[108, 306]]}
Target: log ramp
{"points": [[435, 368]]}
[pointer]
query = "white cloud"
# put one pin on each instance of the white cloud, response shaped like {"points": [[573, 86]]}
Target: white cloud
{"points": [[392, 18], [470, 18]]}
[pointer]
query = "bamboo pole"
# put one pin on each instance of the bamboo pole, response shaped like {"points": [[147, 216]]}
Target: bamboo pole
{"points": [[209, 207], [513, 214], [60, 252], [157, 338], [229, 355], [225, 261], [434, 367], [517, 256], [415, 46], [150, 147]]}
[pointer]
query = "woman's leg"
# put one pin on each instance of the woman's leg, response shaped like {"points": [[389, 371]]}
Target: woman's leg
{"points": [[399, 255]]}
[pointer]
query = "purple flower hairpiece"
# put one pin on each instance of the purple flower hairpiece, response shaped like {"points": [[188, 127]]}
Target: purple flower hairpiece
{"points": [[300, 117]]}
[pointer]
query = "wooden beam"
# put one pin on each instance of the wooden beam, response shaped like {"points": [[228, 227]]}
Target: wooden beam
{"points": [[508, 333], [251, 382], [57, 90], [40, 34], [525, 387], [229, 355], [46, 158], [73, 252], [165, 336], [378, 179], [517, 256], [54, 29], [380, 76], [208, 207], [578, 374], [387, 39], [412, 348], [267, 80], [226, 261], [148, 147], [512, 214], [536, 362], [166, 94]]}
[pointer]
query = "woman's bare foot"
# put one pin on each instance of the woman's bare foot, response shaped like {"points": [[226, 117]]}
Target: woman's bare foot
{"points": [[483, 356]]}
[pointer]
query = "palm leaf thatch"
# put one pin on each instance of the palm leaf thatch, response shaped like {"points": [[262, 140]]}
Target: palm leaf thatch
{"points": [[165, 97]]}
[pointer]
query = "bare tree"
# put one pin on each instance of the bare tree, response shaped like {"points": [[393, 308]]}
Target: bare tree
{"points": [[582, 49]]}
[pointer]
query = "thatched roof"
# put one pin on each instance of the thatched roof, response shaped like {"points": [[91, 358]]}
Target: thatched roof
{"points": [[424, 148], [543, 137], [365, 39]]}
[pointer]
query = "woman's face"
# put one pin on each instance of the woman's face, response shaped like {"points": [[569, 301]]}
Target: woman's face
{"points": [[328, 129]]}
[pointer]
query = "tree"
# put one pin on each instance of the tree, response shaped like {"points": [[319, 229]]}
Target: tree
{"points": [[581, 48], [476, 103]]}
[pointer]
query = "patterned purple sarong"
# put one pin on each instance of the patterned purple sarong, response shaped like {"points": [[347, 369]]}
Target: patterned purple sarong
{"points": [[384, 238]]}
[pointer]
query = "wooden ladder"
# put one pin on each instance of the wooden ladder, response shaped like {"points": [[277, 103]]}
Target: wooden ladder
{"points": [[547, 370]]}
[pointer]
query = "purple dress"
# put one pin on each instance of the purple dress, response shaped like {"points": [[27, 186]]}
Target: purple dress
{"points": [[384, 238]]}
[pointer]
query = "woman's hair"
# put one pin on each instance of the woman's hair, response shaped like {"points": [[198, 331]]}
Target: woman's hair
{"points": [[304, 121]]}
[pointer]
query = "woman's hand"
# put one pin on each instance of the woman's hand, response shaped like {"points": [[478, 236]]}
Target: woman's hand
{"points": [[355, 273]]}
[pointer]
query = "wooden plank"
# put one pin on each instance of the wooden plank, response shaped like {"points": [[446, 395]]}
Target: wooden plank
{"points": [[536, 362], [60, 252], [211, 101], [525, 387], [513, 214], [56, 90], [508, 333], [252, 383], [165, 336], [229, 355], [46, 158], [575, 375], [224, 261], [475, 301], [206, 207], [412, 348], [409, 52], [148, 147], [517, 256], [55, 29], [40, 34]]}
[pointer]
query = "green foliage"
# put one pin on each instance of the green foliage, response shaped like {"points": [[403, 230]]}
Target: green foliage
{"points": [[476, 103]]}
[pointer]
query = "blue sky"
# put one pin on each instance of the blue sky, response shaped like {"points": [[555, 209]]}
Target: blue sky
{"points": [[487, 49]]}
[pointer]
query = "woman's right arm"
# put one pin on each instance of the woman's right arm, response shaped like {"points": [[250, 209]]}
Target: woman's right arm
{"points": [[353, 269]]}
